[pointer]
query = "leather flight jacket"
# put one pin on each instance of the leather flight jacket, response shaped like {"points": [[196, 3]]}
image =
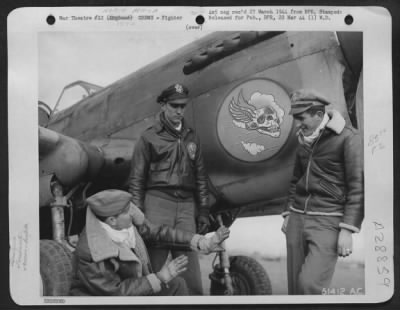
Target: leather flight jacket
{"points": [[328, 175], [169, 162]]}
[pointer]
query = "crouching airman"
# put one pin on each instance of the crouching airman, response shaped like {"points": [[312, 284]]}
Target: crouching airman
{"points": [[112, 258]]}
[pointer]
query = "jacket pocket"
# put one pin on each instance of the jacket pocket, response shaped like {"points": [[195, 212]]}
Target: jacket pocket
{"points": [[160, 166], [332, 190]]}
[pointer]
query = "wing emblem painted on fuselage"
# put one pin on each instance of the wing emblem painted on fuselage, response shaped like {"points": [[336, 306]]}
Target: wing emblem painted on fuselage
{"points": [[253, 121], [260, 113]]}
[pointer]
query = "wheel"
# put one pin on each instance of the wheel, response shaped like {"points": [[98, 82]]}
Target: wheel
{"points": [[248, 278], [56, 268]]}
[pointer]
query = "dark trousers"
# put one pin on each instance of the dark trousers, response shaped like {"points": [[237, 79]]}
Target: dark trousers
{"points": [[180, 215], [176, 287], [311, 242]]}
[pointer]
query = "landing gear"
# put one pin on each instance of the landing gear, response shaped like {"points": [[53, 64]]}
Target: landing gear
{"points": [[248, 278], [56, 268], [56, 260], [238, 275]]}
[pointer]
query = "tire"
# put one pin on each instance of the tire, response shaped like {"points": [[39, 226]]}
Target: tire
{"points": [[56, 268], [248, 278]]}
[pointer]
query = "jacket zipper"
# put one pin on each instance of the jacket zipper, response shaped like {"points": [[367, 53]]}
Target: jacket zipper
{"points": [[307, 175], [308, 171], [179, 161]]}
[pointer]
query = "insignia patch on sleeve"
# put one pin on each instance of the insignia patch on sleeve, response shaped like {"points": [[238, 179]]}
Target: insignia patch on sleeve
{"points": [[192, 148]]}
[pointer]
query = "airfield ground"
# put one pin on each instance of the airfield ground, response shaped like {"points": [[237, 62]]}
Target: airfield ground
{"points": [[348, 277]]}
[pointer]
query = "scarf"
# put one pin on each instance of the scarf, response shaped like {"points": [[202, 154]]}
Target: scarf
{"points": [[125, 236], [309, 140], [179, 127], [174, 130]]}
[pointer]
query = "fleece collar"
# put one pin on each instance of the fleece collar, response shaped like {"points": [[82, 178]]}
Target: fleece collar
{"points": [[336, 122], [100, 244]]}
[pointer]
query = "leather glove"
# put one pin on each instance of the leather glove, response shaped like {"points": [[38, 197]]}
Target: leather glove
{"points": [[207, 245], [172, 269], [203, 221]]}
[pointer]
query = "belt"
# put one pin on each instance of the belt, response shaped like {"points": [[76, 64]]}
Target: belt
{"points": [[172, 194]]}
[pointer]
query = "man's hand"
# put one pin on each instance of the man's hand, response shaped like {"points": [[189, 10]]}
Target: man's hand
{"points": [[345, 243], [208, 245], [220, 235], [203, 223], [172, 269], [285, 222]]}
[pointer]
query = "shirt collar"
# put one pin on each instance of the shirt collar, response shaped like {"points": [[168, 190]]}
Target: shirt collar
{"points": [[166, 125]]}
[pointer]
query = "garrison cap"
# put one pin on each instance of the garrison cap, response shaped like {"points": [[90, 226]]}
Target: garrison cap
{"points": [[174, 92], [110, 202], [303, 99]]}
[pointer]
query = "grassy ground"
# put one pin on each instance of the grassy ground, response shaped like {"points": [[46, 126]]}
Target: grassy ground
{"points": [[348, 277]]}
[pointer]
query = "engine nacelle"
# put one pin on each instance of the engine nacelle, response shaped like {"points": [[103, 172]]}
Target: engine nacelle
{"points": [[69, 160]]}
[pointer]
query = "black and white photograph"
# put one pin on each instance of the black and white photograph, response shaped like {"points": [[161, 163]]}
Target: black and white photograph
{"points": [[214, 162]]}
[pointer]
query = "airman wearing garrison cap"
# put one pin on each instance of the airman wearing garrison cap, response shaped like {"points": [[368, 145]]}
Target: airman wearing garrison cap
{"points": [[326, 194], [109, 203], [113, 259], [168, 178]]}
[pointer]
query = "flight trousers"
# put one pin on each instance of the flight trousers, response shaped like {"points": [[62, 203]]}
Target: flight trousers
{"points": [[176, 287], [311, 242], [180, 215]]}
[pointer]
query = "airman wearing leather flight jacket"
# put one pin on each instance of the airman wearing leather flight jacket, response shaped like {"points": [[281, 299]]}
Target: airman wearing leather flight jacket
{"points": [[326, 197], [169, 164], [168, 179]]}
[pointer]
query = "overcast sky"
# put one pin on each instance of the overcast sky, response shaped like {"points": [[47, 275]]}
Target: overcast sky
{"points": [[102, 58], [99, 58]]}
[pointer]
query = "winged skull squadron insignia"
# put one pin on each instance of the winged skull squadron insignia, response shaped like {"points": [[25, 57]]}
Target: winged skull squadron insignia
{"points": [[260, 113]]}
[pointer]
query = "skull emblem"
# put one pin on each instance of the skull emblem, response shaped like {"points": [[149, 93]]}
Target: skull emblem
{"points": [[260, 113]]}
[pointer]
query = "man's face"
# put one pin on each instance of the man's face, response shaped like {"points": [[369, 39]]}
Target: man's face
{"points": [[307, 122], [123, 220], [174, 110]]}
